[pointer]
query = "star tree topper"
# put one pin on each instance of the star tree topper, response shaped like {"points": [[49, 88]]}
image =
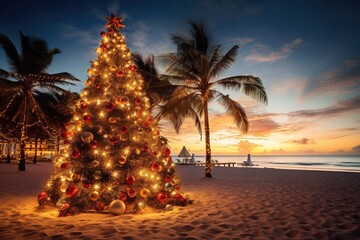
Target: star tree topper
{"points": [[114, 22]]}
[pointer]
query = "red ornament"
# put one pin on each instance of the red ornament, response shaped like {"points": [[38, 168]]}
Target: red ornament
{"points": [[84, 105], [150, 119], [66, 134], [169, 159], [120, 74], [97, 85], [178, 197], [130, 180], [144, 148], [155, 166], [146, 124], [123, 129], [113, 140], [71, 191], [137, 101], [86, 118], [110, 31], [42, 196], [161, 197], [86, 183], [75, 153], [168, 178], [122, 196], [109, 106], [99, 207], [102, 33], [66, 141], [154, 152], [93, 144], [166, 152], [131, 192], [133, 68], [103, 47], [65, 165]]}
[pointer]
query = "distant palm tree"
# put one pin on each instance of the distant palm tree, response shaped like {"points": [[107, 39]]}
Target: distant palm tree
{"points": [[57, 111], [27, 75], [196, 68]]}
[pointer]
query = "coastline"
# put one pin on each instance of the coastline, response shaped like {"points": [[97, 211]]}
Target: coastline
{"points": [[237, 203]]}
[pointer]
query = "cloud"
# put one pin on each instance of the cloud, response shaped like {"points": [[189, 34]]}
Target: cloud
{"points": [[356, 149], [138, 37], [342, 79], [113, 7], [352, 104], [303, 141], [262, 53], [245, 147], [284, 87], [263, 127], [240, 41], [79, 34]]}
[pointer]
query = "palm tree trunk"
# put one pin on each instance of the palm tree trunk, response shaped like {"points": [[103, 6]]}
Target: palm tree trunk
{"points": [[35, 150], [23, 136], [57, 144], [8, 158], [207, 142]]}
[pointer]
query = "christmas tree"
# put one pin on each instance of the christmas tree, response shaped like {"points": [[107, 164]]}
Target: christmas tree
{"points": [[114, 157]]}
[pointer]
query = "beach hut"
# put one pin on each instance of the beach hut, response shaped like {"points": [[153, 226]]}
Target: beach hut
{"points": [[183, 156]]}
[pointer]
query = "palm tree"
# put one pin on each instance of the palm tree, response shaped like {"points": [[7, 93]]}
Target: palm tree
{"points": [[196, 67], [26, 76], [160, 90]]}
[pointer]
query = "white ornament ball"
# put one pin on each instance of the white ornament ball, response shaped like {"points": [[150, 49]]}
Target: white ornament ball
{"points": [[117, 207]]}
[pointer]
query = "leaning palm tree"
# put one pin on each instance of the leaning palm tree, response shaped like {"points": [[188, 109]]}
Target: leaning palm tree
{"points": [[196, 67], [27, 75]]}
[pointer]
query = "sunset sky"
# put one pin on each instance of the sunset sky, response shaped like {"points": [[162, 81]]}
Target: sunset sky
{"points": [[307, 54]]}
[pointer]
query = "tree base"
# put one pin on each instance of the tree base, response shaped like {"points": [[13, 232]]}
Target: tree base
{"points": [[208, 175], [21, 165]]}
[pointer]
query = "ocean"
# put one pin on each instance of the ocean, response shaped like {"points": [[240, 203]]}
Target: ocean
{"points": [[302, 162]]}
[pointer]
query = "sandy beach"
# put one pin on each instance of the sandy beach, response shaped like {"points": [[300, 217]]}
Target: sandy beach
{"points": [[238, 203]]}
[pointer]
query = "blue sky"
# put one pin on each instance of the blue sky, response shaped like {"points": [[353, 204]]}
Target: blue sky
{"points": [[306, 52]]}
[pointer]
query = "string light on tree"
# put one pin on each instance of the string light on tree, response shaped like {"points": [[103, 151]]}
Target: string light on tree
{"points": [[115, 159]]}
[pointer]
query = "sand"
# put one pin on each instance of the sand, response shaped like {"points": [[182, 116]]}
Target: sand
{"points": [[238, 203]]}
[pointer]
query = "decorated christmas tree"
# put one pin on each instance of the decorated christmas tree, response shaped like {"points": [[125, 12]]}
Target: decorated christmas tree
{"points": [[114, 157]]}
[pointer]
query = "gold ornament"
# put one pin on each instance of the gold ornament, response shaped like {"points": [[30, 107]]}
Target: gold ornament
{"points": [[63, 187], [94, 196], [87, 137], [97, 175], [122, 160], [117, 207], [144, 192], [112, 119]]}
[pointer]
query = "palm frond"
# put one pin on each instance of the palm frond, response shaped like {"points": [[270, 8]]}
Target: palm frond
{"points": [[234, 109], [53, 88], [179, 107], [12, 54], [225, 62], [8, 86], [200, 37], [250, 85]]}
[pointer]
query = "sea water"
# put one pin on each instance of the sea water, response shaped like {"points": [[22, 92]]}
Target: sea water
{"points": [[302, 162]]}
